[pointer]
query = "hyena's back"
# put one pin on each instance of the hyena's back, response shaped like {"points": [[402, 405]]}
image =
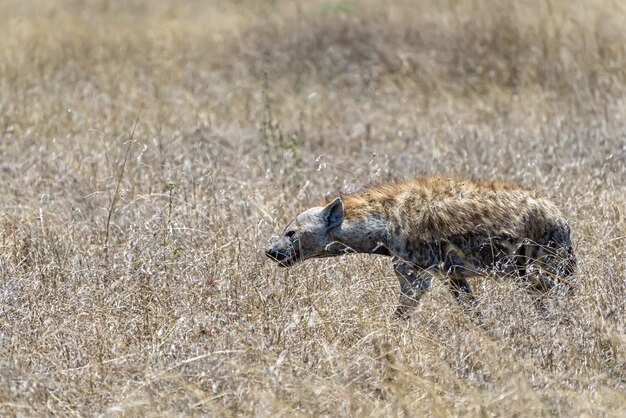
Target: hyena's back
{"points": [[469, 225]]}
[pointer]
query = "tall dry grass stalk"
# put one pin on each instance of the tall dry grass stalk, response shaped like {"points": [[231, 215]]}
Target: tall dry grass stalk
{"points": [[252, 111]]}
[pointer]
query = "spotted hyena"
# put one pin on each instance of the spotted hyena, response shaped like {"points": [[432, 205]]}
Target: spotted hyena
{"points": [[433, 226]]}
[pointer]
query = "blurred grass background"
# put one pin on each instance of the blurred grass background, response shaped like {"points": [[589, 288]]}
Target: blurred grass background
{"points": [[249, 111]]}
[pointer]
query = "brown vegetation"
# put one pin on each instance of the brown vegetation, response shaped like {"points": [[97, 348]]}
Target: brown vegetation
{"points": [[132, 276]]}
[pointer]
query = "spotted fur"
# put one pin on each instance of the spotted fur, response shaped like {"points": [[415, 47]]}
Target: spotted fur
{"points": [[435, 226]]}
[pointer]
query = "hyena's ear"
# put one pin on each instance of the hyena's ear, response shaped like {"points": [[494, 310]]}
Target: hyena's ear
{"points": [[333, 213]]}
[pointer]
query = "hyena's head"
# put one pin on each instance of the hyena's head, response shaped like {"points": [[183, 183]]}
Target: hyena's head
{"points": [[308, 235]]}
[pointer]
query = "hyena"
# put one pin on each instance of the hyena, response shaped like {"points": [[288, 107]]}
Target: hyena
{"points": [[435, 226]]}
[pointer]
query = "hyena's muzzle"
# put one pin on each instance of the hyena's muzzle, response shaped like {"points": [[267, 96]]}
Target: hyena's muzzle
{"points": [[284, 252]]}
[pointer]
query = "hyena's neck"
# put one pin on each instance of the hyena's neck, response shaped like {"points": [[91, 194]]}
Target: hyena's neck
{"points": [[367, 235]]}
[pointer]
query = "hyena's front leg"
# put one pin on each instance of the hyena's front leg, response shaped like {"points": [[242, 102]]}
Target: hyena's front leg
{"points": [[413, 285]]}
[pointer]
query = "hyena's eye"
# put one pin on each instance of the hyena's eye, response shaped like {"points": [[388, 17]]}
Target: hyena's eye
{"points": [[290, 234]]}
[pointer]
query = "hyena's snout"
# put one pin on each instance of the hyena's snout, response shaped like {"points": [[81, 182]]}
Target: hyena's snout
{"points": [[283, 252]]}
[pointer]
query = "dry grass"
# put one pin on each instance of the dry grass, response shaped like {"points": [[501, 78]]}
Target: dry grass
{"points": [[250, 111]]}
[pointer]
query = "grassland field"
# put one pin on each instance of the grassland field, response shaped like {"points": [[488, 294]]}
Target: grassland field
{"points": [[150, 150]]}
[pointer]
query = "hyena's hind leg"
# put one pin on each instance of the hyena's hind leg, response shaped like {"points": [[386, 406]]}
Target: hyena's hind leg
{"points": [[530, 277], [542, 267], [413, 285]]}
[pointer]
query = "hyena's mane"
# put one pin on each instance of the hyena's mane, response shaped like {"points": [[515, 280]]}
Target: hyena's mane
{"points": [[387, 191], [368, 200]]}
